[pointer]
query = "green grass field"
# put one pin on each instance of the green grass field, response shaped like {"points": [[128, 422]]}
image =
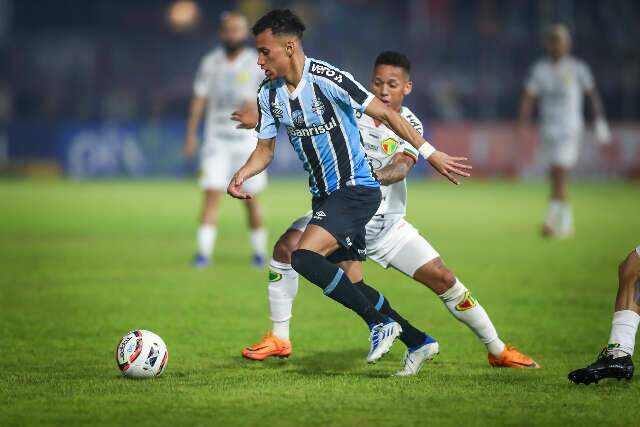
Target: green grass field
{"points": [[83, 263]]}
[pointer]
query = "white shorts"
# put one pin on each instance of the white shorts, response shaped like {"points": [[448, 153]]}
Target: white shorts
{"points": [[638, 250], [398, 244], [394, 243], [217, 168], [561, 150]]}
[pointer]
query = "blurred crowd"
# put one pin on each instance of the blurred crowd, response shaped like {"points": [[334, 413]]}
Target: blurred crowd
{"points": [[122, 60]]}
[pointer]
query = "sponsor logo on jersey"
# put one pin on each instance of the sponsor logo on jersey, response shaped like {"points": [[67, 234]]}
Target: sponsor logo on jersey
{"points": [[375, 163], [389, 146], [371, 147], [467, 303], [277, 108], [325, 71], [413, 122], [362, 252], [348, 240], [312, 130], [317, 106], [298, 118], [273, 276]]}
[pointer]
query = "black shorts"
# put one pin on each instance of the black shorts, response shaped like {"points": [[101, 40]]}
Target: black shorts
{"points": [[345, 213]]}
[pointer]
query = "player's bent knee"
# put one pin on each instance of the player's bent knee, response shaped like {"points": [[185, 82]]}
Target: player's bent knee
{"points": [[301, 260], [282, 251], [436, 275], [629, 268], [447, 278], [286, 244]]}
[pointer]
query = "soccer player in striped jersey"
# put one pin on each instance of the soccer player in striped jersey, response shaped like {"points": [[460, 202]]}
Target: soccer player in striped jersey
{"points": [[390, 239], [615, 360], [315, 102]]}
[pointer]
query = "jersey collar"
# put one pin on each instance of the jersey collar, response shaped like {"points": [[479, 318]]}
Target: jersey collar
{"points": [[303, 80]]}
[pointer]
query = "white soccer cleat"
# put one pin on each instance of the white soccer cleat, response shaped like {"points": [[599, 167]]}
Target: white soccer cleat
{"points": [[413, 360], [382, 337]]}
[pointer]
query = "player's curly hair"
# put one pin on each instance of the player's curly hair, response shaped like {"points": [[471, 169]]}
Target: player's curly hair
{"points": [[281, 21], [397, 59]]}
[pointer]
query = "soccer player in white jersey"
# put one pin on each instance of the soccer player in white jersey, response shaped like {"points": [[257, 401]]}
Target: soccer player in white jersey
{"points": [[227, 80], [559, 82], [390, 240], [614, 360]]}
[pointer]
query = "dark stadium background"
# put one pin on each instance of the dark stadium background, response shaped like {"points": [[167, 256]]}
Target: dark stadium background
{"points": [[101, 88]]}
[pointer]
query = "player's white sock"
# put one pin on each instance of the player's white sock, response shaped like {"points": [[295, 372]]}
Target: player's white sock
{"points": [[206, 239], [258, 239], [623, 332], [468, 310], [554, 212], [565, 224], [283, 287]]}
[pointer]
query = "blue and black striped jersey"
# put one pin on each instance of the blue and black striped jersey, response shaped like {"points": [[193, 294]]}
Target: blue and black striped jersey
{"points": [[320, 119]]}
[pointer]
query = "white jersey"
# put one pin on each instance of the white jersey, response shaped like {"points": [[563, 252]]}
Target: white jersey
{"points": [[381, 144], [560, 88], [227, 85]]}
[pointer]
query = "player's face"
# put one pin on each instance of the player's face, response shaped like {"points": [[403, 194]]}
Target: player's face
{"points": [[273, 56], [234, 31], [558, 44], [391, 84]]}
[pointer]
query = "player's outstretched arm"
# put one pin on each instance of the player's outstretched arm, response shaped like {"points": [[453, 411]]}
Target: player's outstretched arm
{"points": [[396, 170], [246, 116], [526, 108], [258, 161], [198, 104], [445, 164], [601, 127]]}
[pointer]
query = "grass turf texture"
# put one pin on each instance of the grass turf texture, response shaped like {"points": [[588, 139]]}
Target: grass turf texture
{"points": [[83, 263]]}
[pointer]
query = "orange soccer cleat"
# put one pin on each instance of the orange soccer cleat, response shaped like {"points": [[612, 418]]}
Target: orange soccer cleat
{"points": [[270, 346], [512, 358]]}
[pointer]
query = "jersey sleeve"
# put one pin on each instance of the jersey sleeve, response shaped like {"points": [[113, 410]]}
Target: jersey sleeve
{"points": [[533, 83], [267, 127], [408, 149], [343, 87], [202, 82], [585, 77]]}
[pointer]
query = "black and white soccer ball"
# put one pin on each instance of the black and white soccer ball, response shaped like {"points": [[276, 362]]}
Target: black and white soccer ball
{"points": [[142, 354]]}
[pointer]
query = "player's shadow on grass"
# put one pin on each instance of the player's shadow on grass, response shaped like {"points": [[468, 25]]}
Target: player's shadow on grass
{"points": [[347, 362], [335, 363]]}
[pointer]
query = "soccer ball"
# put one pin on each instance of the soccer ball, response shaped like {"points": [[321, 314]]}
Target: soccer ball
{"points": [[141, 354]]}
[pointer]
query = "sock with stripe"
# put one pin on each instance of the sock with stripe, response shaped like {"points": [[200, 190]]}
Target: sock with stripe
{"points": [[411, 336], [335, 284]]}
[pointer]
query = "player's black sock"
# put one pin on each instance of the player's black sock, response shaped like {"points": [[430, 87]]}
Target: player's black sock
{"points": [[335, 284], [410, 336]]}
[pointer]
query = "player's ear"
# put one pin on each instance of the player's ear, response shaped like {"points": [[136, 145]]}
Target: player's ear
{"points": [[290, 47], [408, 87]]}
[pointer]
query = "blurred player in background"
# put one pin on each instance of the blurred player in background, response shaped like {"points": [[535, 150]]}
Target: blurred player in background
{"points": [[391, 241], [559, 82], [227, 80], [615, 359]]}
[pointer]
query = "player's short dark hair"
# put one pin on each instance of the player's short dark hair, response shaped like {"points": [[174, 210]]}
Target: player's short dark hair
{"points": [[281, 21], [397, 59]]}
